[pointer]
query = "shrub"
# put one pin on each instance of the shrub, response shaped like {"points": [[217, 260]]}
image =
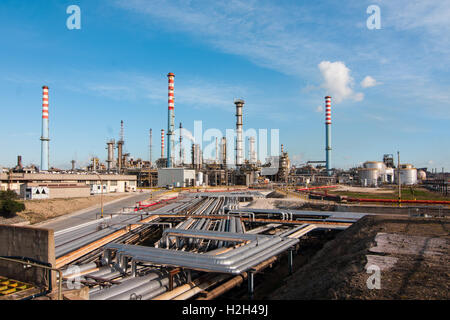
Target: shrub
{"points": [[9, 208], [8, 195]]}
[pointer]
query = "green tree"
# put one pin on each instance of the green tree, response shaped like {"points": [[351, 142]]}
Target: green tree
{"points": [[8, 206]]}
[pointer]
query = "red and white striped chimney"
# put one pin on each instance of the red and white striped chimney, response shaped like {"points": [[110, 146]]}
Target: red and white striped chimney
{"points": [[328, 133], [170, 120], [44, 102], [45, 132], [327, 110], [162, 143]]}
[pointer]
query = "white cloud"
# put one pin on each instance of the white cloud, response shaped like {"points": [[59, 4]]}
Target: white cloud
{"points": [[338, 82], [368, 82], [319, 109]]}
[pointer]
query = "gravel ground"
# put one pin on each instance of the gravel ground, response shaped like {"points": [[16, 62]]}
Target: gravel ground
{"points": [[413, 255]]}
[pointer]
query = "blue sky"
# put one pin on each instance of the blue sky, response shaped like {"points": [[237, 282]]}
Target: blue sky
{"points": [[390, 86]]}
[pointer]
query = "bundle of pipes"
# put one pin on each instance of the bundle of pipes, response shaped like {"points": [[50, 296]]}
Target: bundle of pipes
{"points": [[255, 249]]}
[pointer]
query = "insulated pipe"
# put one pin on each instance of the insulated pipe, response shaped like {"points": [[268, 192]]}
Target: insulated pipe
{"points": [[45, 138], [126, 285], [236, 281], [176, 292], [143, 289], [201, 287]]}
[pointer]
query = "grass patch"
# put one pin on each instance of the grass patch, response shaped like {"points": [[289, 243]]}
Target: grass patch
{"points": [[407, 194]]}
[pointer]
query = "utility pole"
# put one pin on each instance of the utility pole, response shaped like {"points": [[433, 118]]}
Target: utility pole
{"points": [[399, 181]]}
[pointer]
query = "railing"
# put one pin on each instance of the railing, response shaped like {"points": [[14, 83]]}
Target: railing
{"points": [[28, 263]]}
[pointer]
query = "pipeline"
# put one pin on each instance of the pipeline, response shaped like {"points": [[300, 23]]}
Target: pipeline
{"points": [[397, 201], [312, 188], [143, 206], [236, 281]]}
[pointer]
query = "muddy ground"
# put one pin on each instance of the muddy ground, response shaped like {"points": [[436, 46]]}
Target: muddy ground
{"points": [[412, 253]]}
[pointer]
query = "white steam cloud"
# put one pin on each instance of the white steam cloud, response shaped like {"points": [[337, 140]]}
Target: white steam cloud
{"points": [[338, 82]]}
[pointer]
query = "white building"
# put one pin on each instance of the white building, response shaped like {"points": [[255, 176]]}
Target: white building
{"points": [[176, 177]]}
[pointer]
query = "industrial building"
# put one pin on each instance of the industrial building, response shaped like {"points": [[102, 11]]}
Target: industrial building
{"points": [[176, 177], [66, 183]]}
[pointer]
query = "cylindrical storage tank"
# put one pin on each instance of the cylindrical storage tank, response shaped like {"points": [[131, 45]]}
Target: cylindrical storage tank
{"points": [[368, 176], [200, 178], [421, 175], [408, 176], [375, 165]]}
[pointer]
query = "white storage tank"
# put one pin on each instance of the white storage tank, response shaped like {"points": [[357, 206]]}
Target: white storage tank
{"points": [[408, 176], [368, 176], [199, 178], [421, 175], [375, 165]]}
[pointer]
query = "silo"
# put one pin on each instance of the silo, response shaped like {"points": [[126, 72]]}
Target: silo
{"points": [[368, 176], [408, 176]]}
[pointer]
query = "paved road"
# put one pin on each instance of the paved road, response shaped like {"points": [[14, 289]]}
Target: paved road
{"points": [[86, 215]]}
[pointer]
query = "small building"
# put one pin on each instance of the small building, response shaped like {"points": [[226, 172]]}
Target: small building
{"points": [[113, 182], [35, 191], [176, 177]]}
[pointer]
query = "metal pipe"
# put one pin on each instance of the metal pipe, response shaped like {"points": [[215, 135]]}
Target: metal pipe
{"points": [[126, 285]]}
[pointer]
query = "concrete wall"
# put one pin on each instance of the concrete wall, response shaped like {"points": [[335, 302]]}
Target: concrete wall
{"points": [[38, 244], [76, 192]]}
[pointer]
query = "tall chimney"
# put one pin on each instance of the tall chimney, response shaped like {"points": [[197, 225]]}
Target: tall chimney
{"points": [[223, 151], [239, 105], [19, 162], [252, 150], [170, 120], [181, 145], [328, 133], [162, 143], [151, 147], [110, 155], [45, 132], [73, 165]]}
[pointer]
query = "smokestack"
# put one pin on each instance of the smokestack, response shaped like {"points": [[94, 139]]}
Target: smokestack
{"points": [[110, 159], [120, 144], [151, 147], [122, 138], [181, 145], [162, 143], [45, 132], [328, 132], [223, 151], [217, 151], [170, 120], [19, 162], [252, 150], [239, 105], [73, 165]]}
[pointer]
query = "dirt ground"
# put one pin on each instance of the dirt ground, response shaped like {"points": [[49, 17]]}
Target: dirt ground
{"points": [[40, 210], [362, 189], [412, 254]]}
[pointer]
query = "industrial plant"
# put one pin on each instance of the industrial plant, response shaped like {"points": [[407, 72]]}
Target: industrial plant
{"points": [[200, 227]]}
